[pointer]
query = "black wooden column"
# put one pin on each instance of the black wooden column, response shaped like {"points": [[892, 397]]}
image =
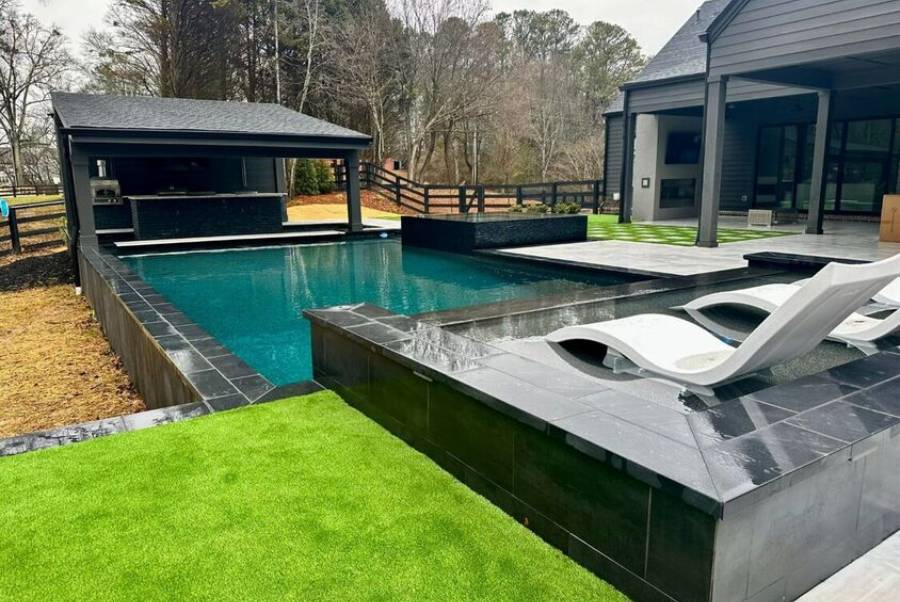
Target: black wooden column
{"points": [[714, 130], [818, 186], [354, 202], [625, 185]]}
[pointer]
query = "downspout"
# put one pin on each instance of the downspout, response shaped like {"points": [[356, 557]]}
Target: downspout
{"points": [[65, 174]]}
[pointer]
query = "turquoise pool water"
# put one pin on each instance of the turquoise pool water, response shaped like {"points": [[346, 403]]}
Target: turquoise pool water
{"points": [[252, 299]]}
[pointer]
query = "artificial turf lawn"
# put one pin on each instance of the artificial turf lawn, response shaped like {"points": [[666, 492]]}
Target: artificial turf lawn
{"points": [[299, 499], [606, 227]]}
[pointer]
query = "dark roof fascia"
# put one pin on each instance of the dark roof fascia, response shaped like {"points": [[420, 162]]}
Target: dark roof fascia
{"points": [[722, 20], [137, 136], [662, 82]]}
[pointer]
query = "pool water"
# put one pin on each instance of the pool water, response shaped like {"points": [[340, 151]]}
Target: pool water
{"points": [[252, 299]]}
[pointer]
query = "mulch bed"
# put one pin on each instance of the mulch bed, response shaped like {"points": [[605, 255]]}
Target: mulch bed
{"points": [[368, 198], [56, 367]]}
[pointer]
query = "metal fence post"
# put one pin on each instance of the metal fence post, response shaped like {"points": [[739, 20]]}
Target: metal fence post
{"points": [[14, 231], [462, 200], [479, 192], [595, 196], [397, 197]]}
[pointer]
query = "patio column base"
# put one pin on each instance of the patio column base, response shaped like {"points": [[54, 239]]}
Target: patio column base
{"points": [[707, 244]]}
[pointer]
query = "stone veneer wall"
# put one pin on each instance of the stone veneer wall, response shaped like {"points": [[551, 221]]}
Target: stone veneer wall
{"points": [[644, 540], [155, 376]]}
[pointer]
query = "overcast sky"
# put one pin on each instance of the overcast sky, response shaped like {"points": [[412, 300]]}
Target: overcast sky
{"points": [[652, 22]]}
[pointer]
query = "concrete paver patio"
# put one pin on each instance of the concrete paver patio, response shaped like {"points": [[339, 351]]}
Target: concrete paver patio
{"points": [[850, 240]]}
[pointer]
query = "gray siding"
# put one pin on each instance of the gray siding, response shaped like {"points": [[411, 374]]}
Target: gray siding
{"points": [[738, 164], [775, 33], [678, 95], [612, 172]]}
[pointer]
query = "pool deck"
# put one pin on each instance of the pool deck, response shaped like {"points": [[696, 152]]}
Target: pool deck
{"points": [[846, 240], [871, 578]]}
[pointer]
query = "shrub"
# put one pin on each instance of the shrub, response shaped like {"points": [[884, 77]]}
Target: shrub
{"points": [[567, 208], [537, 208], [325, 177], [306, 180]]}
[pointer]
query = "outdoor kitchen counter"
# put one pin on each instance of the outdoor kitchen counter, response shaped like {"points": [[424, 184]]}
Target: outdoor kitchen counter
{"points": [[176, 216]]}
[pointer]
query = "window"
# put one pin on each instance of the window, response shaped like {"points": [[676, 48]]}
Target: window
{"points": [[677, 193], [683, 148]]}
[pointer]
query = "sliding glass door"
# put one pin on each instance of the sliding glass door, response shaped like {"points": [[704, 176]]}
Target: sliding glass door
{"points": [[863, 164]]}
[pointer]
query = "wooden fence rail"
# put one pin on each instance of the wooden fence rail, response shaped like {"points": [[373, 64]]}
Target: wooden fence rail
{"points": [[462, 198], [30, 214], [30, 190]]}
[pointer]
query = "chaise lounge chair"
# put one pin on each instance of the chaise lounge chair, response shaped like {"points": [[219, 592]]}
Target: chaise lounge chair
{"points": [[858, 330], [686, 354]]}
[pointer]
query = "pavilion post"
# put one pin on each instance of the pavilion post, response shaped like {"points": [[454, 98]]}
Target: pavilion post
{"points": [[818, 186], [354, 202], [714, 130]]}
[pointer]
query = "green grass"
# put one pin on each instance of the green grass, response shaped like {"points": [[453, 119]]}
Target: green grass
{"points": [[606, 227], [31, 198], [299, 499]]}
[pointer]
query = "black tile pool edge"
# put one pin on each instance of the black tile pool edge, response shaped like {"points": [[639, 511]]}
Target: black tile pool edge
{"points": [[180, 370], [799, 503]]}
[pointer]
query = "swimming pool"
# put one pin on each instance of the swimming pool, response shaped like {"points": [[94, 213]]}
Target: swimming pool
{"points": [[252, 299]]}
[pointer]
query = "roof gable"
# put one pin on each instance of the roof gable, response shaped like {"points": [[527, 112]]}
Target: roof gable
{"points": [[145, 114]]}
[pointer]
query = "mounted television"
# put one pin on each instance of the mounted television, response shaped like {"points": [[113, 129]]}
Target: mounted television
{"points": [[683, 148]]}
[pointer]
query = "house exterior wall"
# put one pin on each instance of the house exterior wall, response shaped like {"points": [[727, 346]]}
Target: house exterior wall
{"points": [[612, 171], [767, 34], [650, 163]]}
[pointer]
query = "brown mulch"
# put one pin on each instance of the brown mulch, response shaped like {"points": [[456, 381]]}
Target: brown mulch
{"points": [[368, 198], [56, 367]]}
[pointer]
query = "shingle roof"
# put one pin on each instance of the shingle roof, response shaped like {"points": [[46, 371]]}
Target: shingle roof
{"points": [[144, 113], [684, 54]]}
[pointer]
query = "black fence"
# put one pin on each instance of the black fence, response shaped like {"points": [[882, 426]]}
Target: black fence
{"points": [[30, 221], [463, 198]]}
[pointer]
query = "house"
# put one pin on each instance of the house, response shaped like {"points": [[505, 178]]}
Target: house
{"points": [[763, 104], [157, 168]]}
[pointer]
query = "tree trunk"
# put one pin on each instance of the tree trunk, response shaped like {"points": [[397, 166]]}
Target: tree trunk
{"points": [[18, 165]]}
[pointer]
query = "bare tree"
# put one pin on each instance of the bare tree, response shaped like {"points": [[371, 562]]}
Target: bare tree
{"points": [[33, 59]]}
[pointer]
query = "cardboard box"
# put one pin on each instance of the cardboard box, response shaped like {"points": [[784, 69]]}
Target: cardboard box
{"points": [[890, 219]]}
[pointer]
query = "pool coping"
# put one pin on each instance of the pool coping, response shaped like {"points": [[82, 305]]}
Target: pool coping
{"points": [[721, 444], [218, 379]]}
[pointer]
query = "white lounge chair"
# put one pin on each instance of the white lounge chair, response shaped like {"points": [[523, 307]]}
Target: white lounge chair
{"points": [[858, 330], [697, 360]]}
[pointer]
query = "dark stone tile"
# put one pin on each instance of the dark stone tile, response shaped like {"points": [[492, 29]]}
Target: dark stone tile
{"points": [[377, 333], [147, 316], [152, 418], [542, 376], [173, 342], [397, 391], [867, 371], [403, 323], [188, 360], [488, 384], [192, 332], [625, 581], [372, 311], [164, 307], [160, 329], [138, 306], [293, 390], [177, 319], [338, 316], [434, 356], [646, 414], [605, 507], [733, 419], [231, 366], [155, 299], [253, 387], [744, 463], [637, 451], [882, 398], [211, 384], [844, 421], [210, 347], [229, 402], [477, 435], [345, 361], [680, 549], [804, 393]]}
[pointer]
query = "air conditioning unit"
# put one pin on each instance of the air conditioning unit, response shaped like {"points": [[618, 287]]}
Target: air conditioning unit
{"points": [[760, 217]]}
